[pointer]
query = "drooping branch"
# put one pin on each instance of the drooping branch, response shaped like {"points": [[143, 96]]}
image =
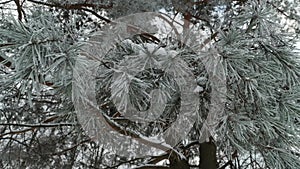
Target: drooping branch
{"points": [[72, 6], [78, 6]]}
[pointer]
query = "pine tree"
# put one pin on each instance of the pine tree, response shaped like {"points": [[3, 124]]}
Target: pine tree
{"points": [[43, 108]]}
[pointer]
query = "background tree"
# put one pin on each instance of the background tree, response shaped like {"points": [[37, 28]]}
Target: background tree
{"points": [[41, 40]]}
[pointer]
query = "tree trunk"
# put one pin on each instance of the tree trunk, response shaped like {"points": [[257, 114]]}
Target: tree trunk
{"points": [[177, 163], [208, 155]]}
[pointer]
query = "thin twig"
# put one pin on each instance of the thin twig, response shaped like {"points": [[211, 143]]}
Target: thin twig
{"points": [[72, 147], [279, 10], [5, 2], [38, 125]]}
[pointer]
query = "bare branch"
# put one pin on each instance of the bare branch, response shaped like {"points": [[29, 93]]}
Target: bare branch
{"points": [[78, 6], [72, 147], [73, 6], [5, 2], [151, 167], [38, 125], [16, 132], [32, 127], [279, 10], [96, 14]]}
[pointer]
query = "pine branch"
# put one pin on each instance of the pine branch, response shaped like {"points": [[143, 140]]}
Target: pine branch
{"points": [[78, 6], [163, 16], [133, 135], [6, 63], [73, 6], [19, 9], [206, 41], [38, 125]]}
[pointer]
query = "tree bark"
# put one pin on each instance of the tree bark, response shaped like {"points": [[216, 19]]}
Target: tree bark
{"points": [[178, 163], [208, 155]]}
